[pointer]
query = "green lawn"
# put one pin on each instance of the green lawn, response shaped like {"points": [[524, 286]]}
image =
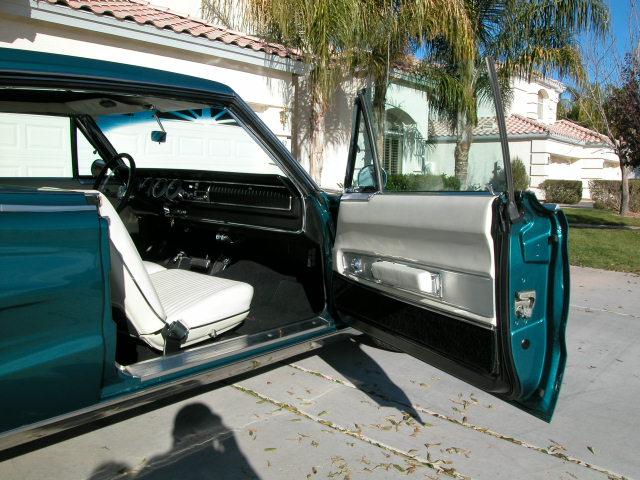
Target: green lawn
{"points": [[598, 217], [607, 249]]}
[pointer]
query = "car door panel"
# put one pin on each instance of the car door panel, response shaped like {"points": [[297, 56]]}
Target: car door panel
{"points": [[473, 280], [57, 333], [417, 231]]}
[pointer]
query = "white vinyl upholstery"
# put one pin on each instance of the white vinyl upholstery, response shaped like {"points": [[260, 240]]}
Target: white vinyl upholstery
{"points": [[152, 267], [152, 296]]}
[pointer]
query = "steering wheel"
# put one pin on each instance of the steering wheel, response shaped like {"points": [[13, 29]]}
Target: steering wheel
{"points": [[116, 180]]}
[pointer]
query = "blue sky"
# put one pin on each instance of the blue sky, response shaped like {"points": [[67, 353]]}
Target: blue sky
{"points": [[620, 12]]}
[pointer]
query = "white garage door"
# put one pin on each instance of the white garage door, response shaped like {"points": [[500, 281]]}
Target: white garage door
{"points": [[34, 146]]}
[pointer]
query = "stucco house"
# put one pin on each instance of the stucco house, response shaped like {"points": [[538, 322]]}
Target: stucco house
{"points": [[270, 77]]}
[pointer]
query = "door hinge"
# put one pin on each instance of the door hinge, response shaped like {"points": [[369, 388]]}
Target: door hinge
{"points": [[524, 303]]}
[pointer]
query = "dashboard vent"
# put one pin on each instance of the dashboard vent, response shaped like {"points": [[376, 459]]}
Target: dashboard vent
{"points": [[257, 196]]}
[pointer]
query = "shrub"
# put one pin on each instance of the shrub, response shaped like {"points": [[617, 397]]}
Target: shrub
{"points": [[520, 175], [606, 194], [421, 183], [562, 191]]}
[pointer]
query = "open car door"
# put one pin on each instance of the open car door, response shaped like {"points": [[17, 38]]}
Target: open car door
{"points": [[437, 256]]}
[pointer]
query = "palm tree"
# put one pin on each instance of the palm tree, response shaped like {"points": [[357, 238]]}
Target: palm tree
{"points": [[346, 38], [322, 33], [527, 37], [392, 30]]}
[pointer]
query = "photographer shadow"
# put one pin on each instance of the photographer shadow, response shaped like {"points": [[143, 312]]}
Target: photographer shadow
{"points": [[203, 447]]}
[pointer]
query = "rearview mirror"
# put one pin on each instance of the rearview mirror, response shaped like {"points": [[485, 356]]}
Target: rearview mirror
{"points": [[158, 136]]}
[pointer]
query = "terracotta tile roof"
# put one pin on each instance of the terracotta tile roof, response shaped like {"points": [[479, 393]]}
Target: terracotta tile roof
{"points": [[144, 13], [569, 129], [521, 125]]}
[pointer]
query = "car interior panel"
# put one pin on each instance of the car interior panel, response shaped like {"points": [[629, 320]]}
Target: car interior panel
{"points": [[197, 255]]}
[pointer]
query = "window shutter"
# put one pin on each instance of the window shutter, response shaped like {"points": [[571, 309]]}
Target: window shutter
{"points": [[391, 160]]}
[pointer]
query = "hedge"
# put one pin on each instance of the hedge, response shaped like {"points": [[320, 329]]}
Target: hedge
{"points": [[421, 183], [520, 175], [562, 191], [606, 194]]}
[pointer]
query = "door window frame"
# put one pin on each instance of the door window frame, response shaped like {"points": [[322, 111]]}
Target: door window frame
{"points": [[362, 113]]}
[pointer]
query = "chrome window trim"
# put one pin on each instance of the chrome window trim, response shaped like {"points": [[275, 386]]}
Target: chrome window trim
{"points": [[17, 208]]}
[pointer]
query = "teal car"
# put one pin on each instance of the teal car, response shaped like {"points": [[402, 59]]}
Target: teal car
{"points": [[156, 236]]}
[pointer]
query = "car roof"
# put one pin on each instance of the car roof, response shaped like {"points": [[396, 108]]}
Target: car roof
{"points": [[52, 64]]}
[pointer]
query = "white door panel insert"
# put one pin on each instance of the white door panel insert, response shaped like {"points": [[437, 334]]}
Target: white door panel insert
{"points": [[435, 250]]}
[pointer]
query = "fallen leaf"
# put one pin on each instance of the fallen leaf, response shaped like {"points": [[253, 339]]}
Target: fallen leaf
{"points": [[270, 449]]}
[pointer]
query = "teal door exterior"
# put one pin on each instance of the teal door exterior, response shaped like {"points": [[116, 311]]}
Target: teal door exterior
{"points": [[55, 313]]}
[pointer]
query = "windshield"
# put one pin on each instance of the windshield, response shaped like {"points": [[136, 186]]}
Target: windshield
{"points": [[208, 138], [432, 141]]}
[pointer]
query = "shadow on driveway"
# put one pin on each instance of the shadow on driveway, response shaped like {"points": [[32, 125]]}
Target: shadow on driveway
{"points": [[366, 374], [203, 447]]}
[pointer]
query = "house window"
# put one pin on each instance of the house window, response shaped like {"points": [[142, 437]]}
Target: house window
{"points": [[543, 96], [392, 159]]}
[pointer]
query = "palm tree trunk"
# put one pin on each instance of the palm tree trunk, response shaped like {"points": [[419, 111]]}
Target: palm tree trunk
{"points": [[316, 133], [379, 112], [461, 153], [624, 189]]}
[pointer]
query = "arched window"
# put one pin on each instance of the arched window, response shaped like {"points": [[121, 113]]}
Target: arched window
{"points": [[543, 96], [400, 139]]}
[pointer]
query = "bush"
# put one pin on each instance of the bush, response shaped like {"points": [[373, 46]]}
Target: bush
{"points": [[562, 191], [606, 194], [421, 183], [520, 175]]}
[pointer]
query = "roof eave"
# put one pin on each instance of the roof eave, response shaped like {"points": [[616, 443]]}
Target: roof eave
{"points": [[148, 34]]}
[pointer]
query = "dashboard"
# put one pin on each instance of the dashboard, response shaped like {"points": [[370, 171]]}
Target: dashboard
{"points": [[263, 201]]}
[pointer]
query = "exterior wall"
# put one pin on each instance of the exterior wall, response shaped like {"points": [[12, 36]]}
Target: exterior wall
{"points": [[268, 91], [525, 99], [557, 160]]}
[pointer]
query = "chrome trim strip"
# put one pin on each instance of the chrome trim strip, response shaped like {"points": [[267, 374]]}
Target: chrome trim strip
{"points": [[46, 208], [234, 224], [286, 209], [193, 357], [427, 303], [467, 295], [357, 196], [147, 396]]}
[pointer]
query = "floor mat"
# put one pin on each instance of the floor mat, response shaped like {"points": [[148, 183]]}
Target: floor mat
{"points": [[278, 299]]}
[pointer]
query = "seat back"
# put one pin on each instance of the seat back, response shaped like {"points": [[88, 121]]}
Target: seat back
{"points": [[131, 287]]}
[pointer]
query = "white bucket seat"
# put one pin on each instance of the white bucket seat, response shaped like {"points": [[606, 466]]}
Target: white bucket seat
{"points": [[161, 303]]}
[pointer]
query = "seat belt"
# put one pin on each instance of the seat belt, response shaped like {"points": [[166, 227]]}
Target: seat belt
{"points": [[174, 335]]}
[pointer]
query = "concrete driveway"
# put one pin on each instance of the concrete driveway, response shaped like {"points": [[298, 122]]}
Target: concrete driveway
{"points": [[355, 411]]}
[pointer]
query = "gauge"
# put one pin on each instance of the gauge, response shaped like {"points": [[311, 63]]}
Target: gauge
{"points": [[173, 189], [144, 185], [159, 188]]}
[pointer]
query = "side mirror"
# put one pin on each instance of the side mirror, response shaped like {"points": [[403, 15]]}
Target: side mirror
{"points": [[97, 166], [158, 136], [367, 177]]}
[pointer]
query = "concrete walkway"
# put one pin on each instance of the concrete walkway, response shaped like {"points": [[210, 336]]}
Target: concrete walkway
{"points": [[355, 411]]}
